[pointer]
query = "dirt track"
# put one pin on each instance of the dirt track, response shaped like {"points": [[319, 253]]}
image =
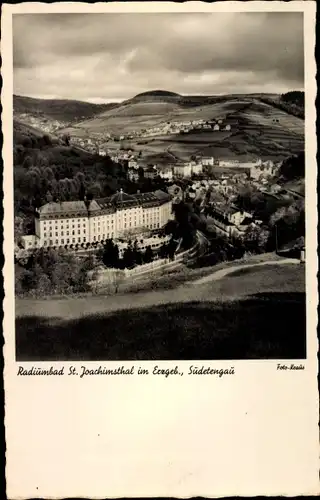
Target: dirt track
{"points": [[204, 290], [217, 275]]}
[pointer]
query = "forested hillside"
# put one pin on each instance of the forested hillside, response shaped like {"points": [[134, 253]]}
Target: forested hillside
{"points": [[291, 102], [46, 168], [58, 109]]}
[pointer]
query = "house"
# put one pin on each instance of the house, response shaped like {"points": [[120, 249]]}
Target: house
{"points": [[151, 172], [30, 241], [176, 193], [266, 169], [166, 174], [196, 168], [132, 163], [227, 219], [208, 161], [133, 174], [182, 170]]}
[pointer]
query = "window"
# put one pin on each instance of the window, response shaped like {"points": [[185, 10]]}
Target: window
{"points": [[62, 241], [45, 243], [79, 240], [94, 238], [67, 233], [79, 231], [50, 235], [45, 234], [51, 242], [73, 240], [68, 241], [73, 232], [84, 240], [57, 234], [61, 233], [57, 241]]}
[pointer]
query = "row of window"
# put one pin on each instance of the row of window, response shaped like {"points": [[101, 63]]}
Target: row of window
{"points": [[76, 240], [73, 221]]}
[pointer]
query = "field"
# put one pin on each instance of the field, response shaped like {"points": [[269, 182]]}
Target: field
{"points": [[257, 129], [257, 313]]}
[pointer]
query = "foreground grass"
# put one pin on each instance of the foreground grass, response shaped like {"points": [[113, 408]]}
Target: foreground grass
{"points": [[262, 326], [256, 314]]}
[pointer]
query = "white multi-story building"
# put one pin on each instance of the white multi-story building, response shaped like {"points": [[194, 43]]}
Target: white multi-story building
{"points": [[196, 168], [182, 170], [77, 222], [208, 161]]}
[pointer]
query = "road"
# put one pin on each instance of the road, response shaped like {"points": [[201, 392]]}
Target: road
{"points": [[221, 273]]}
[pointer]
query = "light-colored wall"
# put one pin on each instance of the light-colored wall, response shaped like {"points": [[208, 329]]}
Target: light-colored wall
{"points": [[67, 231]]}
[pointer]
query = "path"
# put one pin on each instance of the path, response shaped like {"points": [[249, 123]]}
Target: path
{"points": [[221, 273]]}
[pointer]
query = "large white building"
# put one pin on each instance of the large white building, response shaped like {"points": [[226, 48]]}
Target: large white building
{"points": [[77, 222], [187, 169]]}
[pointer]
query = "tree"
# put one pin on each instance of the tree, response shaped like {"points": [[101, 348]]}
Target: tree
{"points": [[66, 139], [171, 248], [110, 256], [128, 257], [148, 255], [163, 252]]}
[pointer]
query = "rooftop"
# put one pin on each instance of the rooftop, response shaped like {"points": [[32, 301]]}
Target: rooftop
{"points": [[119, 199], [67, 206]]}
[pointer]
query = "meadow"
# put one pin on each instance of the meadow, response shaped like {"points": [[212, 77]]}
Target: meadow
{"points": [[259, 313]]}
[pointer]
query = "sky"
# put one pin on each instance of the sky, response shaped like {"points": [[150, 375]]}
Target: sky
{"points": [[113, 57]]}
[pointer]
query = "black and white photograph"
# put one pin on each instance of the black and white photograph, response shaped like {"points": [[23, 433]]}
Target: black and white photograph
{"points": [[159, 186]]}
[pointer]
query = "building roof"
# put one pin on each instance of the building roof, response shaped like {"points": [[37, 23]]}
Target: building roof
{"points": [[121, 197], [227, 209], [118, 200], [246, 221], [62, 207]]}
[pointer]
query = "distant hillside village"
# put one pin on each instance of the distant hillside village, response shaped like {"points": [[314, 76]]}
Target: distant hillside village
{"points": [[99, 144]]}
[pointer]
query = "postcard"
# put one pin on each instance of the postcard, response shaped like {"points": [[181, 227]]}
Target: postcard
{"points": [[160, 243]]}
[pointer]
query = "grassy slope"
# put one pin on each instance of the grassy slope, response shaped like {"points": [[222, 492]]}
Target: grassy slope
{"points": [[258, 129], [58, 109], [255, 314]]}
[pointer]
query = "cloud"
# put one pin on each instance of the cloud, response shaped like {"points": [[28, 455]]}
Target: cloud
{"points": [[108, 56]]}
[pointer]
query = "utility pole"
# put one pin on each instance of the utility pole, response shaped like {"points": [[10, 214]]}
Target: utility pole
{"points": [[276, 227]]}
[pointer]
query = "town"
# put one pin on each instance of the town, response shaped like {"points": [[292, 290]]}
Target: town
{"points": [[159, 187]]}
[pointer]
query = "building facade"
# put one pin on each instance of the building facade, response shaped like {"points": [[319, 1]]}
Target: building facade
{"points": [[183, 170], [81, 222], [230, 221]]}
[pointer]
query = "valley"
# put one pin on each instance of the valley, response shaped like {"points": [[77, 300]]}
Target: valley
{"points": [[257, 128]]}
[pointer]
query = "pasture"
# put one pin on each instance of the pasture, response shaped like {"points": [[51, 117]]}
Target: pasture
{"points": [[259, 313]]}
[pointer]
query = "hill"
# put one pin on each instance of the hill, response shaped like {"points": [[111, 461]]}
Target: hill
{"points": [[254, 314], [264, 125], [58, 109], [258, 128], [156, 95]]}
